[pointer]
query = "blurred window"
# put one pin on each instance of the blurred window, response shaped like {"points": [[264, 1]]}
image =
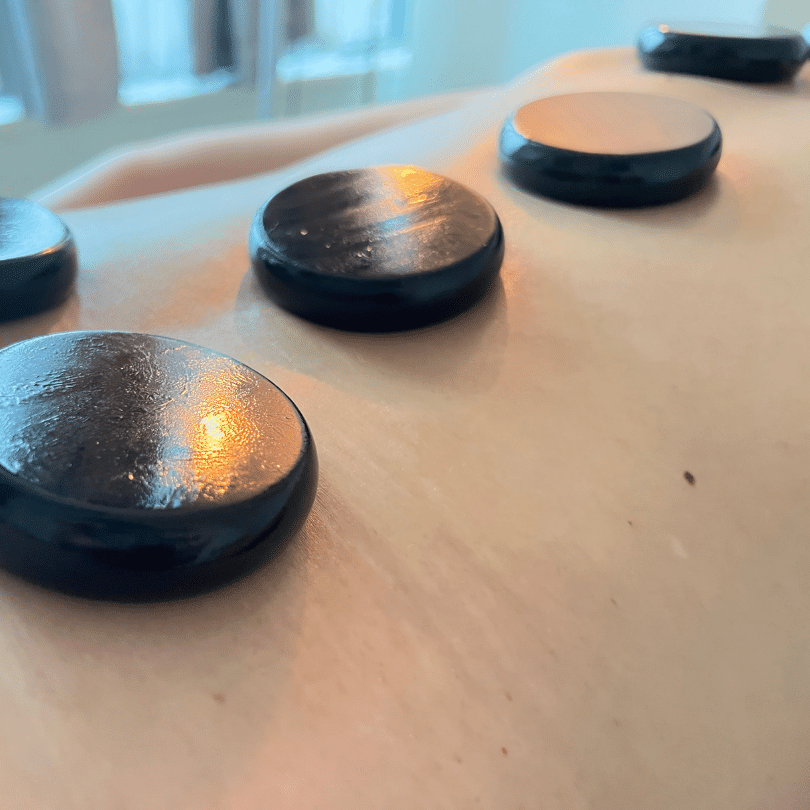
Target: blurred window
{"points": [[155, 53]]}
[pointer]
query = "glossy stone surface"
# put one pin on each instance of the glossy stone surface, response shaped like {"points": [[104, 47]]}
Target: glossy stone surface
{"points": [[37, 259], [376, 249], [139, 467], [737, 52], [610, 149]]}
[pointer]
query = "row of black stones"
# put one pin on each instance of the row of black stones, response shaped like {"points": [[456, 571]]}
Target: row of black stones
{"points": [[135, 467]]}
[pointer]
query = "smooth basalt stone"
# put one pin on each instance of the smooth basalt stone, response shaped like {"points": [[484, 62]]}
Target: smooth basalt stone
{"points": [[610, 149], [378, 249], [37, 259], [737, 52], [135, 467]]}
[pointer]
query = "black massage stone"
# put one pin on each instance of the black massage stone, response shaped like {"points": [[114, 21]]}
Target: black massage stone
{"points": [[37, 259], [736, 52], [138, 468], [610, 149], [378, 249]]}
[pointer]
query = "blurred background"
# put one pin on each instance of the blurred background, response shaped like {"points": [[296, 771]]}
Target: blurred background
{"points": [[78, 77]]}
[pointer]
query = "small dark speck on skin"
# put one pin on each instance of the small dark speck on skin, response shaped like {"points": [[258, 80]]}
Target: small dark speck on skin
{"points": [[218, 697], [504, 752], [507, 696], [689, 477], [458, 759], [629, 522], [612, 600]]}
